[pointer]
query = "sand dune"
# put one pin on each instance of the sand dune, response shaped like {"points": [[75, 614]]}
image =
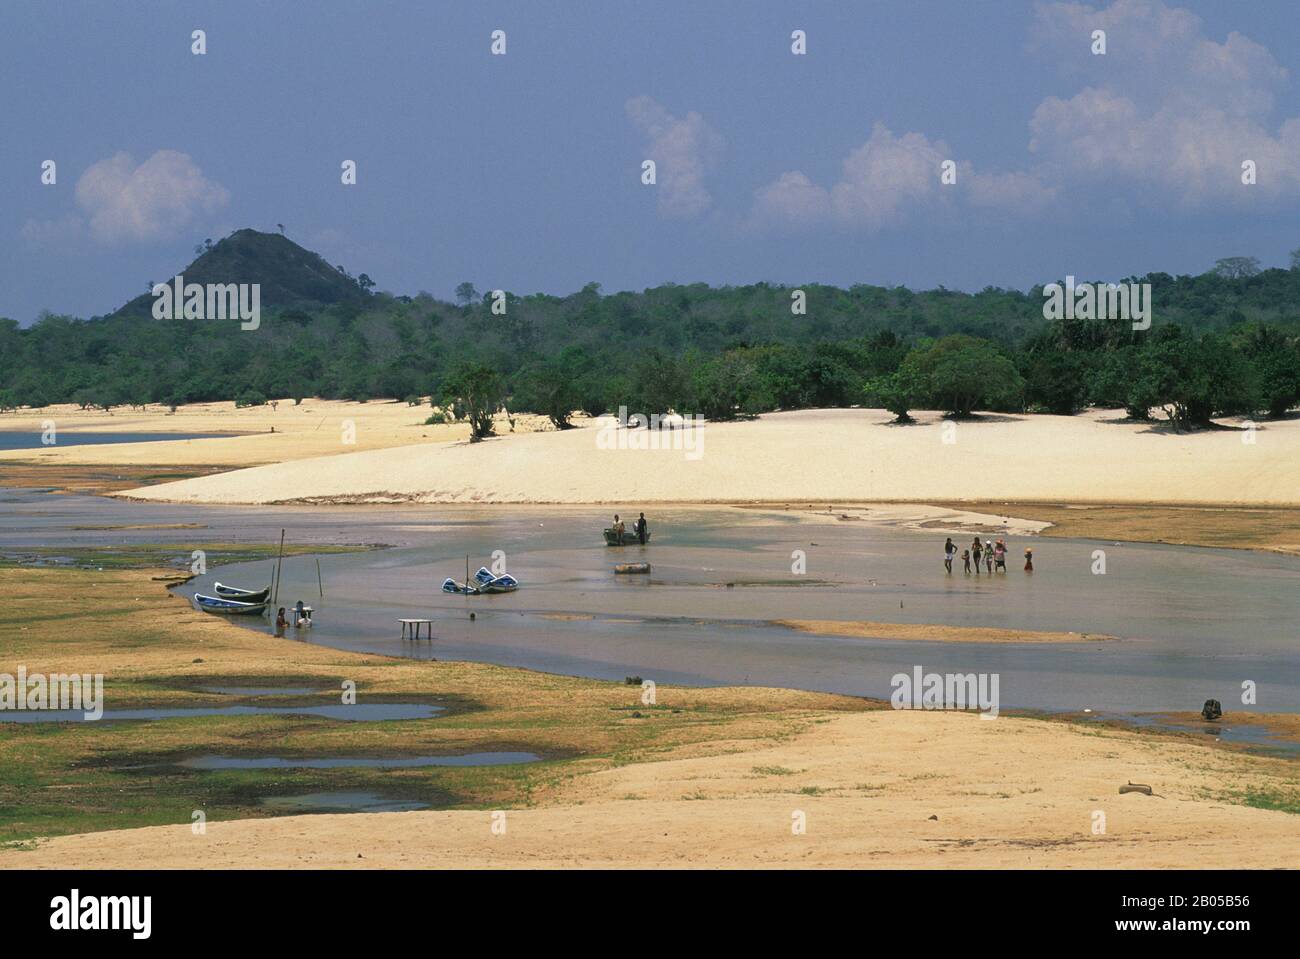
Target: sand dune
{"points": [[881, 789], [809, 456]]}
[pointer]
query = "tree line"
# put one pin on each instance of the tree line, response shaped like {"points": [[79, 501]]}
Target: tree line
{"points": [[1222, 343]]}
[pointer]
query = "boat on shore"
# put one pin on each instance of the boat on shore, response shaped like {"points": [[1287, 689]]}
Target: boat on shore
{"points": [[233, 607], [484, 582], [242, 595], [489, 582]]}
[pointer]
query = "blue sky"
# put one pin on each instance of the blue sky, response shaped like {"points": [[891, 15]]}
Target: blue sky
{"points": [[523, 171]]}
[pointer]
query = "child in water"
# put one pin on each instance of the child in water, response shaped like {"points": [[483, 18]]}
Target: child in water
{"points": [[965, 558], [1029, 561]]}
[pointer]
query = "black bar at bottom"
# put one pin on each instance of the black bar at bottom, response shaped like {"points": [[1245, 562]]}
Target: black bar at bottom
{"points": [[530, 907]]}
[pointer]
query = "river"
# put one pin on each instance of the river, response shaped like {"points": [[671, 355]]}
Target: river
{"points": [[1194, 623]]}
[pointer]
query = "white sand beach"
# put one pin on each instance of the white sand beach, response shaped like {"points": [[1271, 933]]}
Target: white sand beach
{"points": [[805, 456]]}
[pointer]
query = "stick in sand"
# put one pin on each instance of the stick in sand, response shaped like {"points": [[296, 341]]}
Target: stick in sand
{"points": [[275, 599]]}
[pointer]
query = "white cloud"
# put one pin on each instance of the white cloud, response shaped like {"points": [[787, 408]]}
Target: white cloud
{"points": [[1167, 109], [887, 174], [683, 150], [156, 199], [792, 198], [887, 179]]}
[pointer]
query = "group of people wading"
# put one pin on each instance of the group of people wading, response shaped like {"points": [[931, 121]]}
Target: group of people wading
{"points": [[993, 555]]}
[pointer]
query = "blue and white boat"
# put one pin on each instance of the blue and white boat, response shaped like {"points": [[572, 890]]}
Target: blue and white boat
{"points": [[234, 607]]}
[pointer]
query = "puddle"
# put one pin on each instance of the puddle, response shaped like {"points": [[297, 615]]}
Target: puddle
{"points": [[260, 690], [403, 762], [340, 802], [361, 712]]}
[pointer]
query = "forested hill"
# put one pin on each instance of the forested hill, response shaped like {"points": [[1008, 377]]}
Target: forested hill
{"points": [[288, 274], [720, 350]]}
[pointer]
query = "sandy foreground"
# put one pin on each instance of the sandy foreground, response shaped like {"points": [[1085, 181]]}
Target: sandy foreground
{"points": [[810, 455], [879, 790]]}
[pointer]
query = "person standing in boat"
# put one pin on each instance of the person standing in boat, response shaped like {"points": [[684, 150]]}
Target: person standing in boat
{"points": [[642, 529], [618, 530]]}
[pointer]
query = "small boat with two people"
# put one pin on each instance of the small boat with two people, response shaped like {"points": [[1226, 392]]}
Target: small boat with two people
{"points": [[618, 535]]}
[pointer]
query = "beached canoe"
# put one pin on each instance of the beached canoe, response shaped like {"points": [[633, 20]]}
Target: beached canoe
{"points": [[219, 604], [489, 582], [484, 582], [629, 538], [243, 595]]}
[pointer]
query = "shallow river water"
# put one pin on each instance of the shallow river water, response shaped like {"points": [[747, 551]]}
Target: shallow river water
{"points": [[1194, 623]]}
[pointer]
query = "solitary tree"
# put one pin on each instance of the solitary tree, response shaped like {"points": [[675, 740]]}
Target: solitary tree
{"points": [[900, 392], [1236, 267], [466, 293], [474, 391]]}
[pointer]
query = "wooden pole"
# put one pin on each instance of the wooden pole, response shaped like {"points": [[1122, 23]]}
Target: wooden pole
{"points": [[275, 598], [319, 581]]}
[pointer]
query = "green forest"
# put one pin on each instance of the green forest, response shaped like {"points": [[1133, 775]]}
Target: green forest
{"points": [[1226, 342]]}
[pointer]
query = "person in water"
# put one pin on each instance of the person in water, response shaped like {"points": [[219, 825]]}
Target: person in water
{"points": [[976, 550], [642, 529], [280, 622], [618, 529], [1000, 556], [1029, 561], [949, 551], [988, 555], [965, 558]]}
